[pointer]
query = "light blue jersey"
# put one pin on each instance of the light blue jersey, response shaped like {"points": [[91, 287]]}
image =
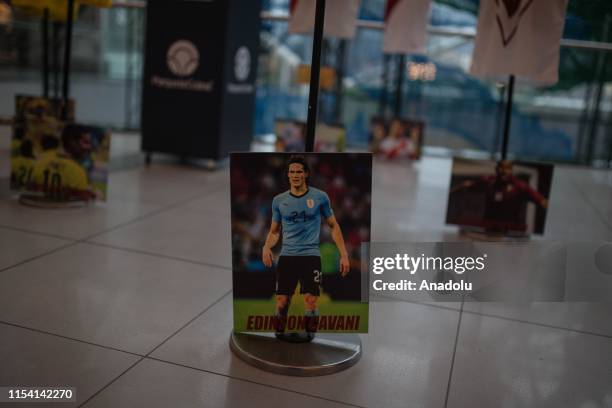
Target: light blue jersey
{"points": [[300, 219]]}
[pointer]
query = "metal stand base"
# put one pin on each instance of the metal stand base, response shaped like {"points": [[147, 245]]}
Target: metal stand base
{"points": [[326, 354], [295, 337], [42, 202]]}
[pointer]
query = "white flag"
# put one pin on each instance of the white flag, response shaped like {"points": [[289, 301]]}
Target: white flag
{"points": [[340, 17], [406, 26], [519, 37]]}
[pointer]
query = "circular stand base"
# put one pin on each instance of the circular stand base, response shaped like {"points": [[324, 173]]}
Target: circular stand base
{"points": [[483, 235], [326, 354], [295, 337], [42, 202]]}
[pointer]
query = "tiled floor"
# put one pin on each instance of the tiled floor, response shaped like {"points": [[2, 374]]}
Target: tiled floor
{"points": [[129, 301]]}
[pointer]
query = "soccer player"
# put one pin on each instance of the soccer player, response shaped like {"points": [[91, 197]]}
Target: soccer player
{"points": [[58, 175], [378, 132], [504, 195], [22, 166], [38, 120], [77, 143], [397, 143], [297, 213]]}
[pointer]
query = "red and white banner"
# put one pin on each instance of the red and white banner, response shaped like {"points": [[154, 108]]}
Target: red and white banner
{"points": [[520, 37], [340, 17], [406, 26]]}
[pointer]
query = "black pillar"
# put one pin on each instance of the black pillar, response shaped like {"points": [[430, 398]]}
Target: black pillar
{"points": [[382, 101], [45, 52], [401, 72], [504, 149], [67, 51], [315, 68]]}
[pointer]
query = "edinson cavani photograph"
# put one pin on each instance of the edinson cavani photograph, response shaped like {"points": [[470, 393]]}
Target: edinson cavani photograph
{"points": [[298, 222]]}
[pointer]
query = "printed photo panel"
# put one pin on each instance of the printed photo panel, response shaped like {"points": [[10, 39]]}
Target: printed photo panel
{"points": [[298, 222], [57, 160], [291, 136], [499, 197], [396, 138]]}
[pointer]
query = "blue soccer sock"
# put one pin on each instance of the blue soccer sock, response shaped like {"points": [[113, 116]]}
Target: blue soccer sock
{"points": [[281, 319], [311, 320]]}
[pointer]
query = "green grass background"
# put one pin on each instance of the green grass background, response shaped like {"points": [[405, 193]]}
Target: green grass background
{"points": [[260, 307]]}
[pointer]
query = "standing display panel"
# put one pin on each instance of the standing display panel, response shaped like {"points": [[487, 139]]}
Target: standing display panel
{"points": [[199, 77], [291, 137], [397, 138], [55, 160], [298, 223], [499, 198], [318, 356], [405, 33]]}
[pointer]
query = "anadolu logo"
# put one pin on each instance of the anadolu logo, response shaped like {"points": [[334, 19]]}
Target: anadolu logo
{"points": [[242, 63], [182, 58]]}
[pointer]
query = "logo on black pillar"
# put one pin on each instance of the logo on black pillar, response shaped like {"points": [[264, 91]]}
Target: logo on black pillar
{"points": [[242, 69], [242, 63], [183, 58]]}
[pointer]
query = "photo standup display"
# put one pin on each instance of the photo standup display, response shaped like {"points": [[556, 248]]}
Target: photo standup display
{"points": [[199, 77], [291, 137], [330, 138], [504, 196], [298, 222], [396, 138], [61, 161]]}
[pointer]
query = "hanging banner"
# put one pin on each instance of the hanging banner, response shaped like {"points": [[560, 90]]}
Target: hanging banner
{"points": [[58, 9], [509, 198], [96, 3], [298, 225], [6, 13], [340, 17], [57, 4], [406, 26], [519, 38]]}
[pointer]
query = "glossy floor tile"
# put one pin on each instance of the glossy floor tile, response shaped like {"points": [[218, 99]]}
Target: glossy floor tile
{"points": [[217, 202], [590, 317], [406, 356], [18, 246], [162, 184], [509, 364], [155, 384], [107, 296], [178, 232], [596, 188], [38, 359], [575, 219], [72, 223]]}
